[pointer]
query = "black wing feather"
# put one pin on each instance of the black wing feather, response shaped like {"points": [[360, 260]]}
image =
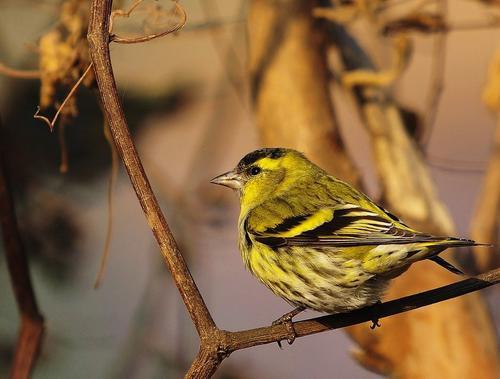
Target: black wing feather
{"points": [[447, 265], [330, 233]]}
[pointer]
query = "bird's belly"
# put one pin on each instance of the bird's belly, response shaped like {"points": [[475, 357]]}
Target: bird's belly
{"points": [[325, 281]]}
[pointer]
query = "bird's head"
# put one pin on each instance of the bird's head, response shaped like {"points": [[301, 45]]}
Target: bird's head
{"points": [[266, 172]]}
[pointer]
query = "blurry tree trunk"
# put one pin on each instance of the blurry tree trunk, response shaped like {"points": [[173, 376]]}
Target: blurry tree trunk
{"points": [[290, 86], [485, 225], [455, 339], [290, 91]]}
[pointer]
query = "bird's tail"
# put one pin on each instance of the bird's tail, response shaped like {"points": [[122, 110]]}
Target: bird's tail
{"points": [[451, 242], [459, 242]]}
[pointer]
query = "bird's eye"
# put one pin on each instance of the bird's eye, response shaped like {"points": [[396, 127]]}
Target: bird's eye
{"points": [[254, 170]]}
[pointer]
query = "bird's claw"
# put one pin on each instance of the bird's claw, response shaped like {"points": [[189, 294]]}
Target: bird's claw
{"points": [[375, 324], [375, 319], [286, 320]]}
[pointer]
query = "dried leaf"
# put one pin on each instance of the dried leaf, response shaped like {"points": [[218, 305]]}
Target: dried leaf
{"points": [[64, 56]]}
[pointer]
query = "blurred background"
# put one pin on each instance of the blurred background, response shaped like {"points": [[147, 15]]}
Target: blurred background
{"points": [[194, 108]]}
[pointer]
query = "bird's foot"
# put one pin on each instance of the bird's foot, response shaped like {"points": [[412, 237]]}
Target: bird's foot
{"points": [[289, 327], [286, 320], [375, 323], [375, 319]]}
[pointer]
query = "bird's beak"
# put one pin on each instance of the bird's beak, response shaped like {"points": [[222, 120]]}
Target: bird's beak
{"points": [[230, 179]]}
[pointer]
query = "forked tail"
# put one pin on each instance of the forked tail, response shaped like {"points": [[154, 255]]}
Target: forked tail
{"points": [[453, 242]]}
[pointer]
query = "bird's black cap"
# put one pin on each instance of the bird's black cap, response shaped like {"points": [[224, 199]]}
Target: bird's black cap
{"points": [[273, 153]]}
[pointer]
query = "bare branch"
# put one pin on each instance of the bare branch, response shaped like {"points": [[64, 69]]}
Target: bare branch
{"points": [[223, 343], [149, 37], [31, 331], [113, 175], [18, 74], [122, 13], [206, 362], [63, 165], [99, 37], [68, 96], [259, 336]]}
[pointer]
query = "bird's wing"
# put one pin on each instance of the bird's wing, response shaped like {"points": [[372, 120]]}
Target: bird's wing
{"points": [[342, 225]]}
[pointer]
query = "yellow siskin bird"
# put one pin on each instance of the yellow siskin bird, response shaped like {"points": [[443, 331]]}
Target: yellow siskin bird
{"points": [[317, 242]]}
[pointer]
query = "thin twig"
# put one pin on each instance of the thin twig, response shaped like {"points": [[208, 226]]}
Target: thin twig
{"points": [[111, 185], [149, 37], [71, 92], [64, 165], [455, 165], [122, 13], [98, 37], [19, 74], [31, 331]]}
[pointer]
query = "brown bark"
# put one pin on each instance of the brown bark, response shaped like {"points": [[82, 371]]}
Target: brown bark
{"points": [[290, 86], [99, 38]]}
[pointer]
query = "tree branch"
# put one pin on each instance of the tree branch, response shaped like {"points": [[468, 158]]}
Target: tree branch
{"points": [[150, 37], [31, 331], [260, 336], [99, 38], [222, 343], [75, 87], [18, 74], [206, 363]]}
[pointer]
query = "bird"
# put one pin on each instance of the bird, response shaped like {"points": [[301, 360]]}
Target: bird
{"points": [[316, 241]]}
